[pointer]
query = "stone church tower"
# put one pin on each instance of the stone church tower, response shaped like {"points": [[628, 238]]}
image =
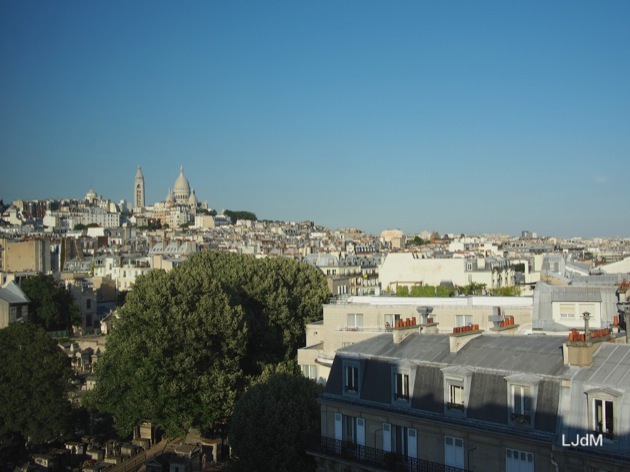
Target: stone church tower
{"points": [[138, 190]]}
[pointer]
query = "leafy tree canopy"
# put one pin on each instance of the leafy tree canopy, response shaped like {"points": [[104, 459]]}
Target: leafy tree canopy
{"points": [[505, 291], [189, 341], [52, 306], [240, 215], [271, 424], [472, 288], [418, 241], [121, 297], [424, 291], [34, 378]]}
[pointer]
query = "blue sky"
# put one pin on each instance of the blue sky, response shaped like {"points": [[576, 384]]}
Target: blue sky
{"points": [[455, 116]]}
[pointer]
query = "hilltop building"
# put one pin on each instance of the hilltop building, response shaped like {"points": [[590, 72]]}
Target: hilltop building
{"points": [[138, 194]]}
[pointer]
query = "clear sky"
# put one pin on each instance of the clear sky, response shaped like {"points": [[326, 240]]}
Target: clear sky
{"points": [[454, 116]]}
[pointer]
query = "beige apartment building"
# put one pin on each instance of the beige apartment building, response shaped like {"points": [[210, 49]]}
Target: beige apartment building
{"points": [[355, 319], [26, 256]]}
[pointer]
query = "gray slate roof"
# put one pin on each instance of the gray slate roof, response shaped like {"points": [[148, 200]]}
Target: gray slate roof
{"points": [[540, 355], [13, 294]]}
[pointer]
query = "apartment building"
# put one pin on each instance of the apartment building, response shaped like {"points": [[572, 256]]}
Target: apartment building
{"points": [[354, 319], [472, 401], [409, 269]]}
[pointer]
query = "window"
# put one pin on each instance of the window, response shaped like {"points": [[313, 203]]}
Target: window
{"points": [[456, 397], [453, 452], [88, 303], [350, 429], [351, 378], [400, 440], [522, 404], [401, 386], [603, 417], [310, 371], [522, 396], [518, 461], [390, 321], [463, 320], [355, 321], [567, 310], [457, 382]]}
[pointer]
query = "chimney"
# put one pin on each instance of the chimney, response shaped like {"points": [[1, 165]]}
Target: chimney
{"points": [[404, 328], [462, 335], [579, 348], [502, 323], [427, 320]]}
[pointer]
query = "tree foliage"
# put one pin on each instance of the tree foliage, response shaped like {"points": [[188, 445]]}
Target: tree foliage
{"points": [[512, 291], [189, 341], [236, 215], [472, 288], [272, 422], [426, 291], [52, 306], [34, 378]]}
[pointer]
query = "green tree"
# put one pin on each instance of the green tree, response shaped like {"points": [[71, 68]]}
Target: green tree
{"points": [[506, 291], [121, 297], [402, 291], [34, 379], [52, 306], [443, 291], [189, 341], [272, 423], [239, 215], [472, 288], [174, 354]]}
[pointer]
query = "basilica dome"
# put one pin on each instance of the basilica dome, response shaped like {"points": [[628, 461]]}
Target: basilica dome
{"points": [[181, 189]]}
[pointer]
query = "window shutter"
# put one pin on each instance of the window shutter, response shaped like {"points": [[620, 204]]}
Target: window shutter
{"points": [[360, 431], [338, 426], [412, 443], [387, 437]]}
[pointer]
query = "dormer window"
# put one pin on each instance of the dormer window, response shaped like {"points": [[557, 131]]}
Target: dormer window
{"points": [[603, 417], [603, 411], [403, 377], [522, 404], [522, 398], [455, 397], [401, 386], [457, 381], [351, 378]]}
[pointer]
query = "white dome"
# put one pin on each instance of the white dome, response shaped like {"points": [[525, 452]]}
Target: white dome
{"points": [[181, 189], [192, 201]]}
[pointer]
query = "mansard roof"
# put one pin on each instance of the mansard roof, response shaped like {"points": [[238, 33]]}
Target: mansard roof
{"points": [[533, 354]]}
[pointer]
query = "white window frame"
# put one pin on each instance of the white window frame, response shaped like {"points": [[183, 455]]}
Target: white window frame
{"points": [[518, 461], [566, 312], [521, 395], [456, 396], [456, 377], [351, 378], [608, 398], [452, 444], [401, 386], [517, 386], [310, 371], [463, 320], [355, 321]]}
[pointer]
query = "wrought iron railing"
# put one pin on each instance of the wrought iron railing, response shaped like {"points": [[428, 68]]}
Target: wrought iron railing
{"points": [[376, 457]]}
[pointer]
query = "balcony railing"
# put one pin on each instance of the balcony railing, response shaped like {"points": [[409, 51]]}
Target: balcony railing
{"points": [[376, 457]]}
